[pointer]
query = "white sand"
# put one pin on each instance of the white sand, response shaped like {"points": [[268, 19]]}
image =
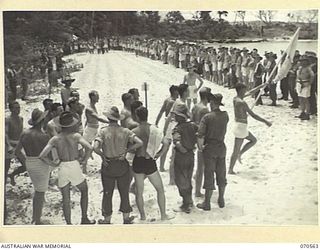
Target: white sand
{"points": [[276, 184]]}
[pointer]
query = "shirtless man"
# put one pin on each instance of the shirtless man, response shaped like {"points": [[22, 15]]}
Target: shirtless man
{"points": [[190, 80], [198, 111], [66, 143], [65, 93], [52, 128], [93, 119], [144, 163], [241, 111], [165, 109], [14, 128], [183, 90], [33, 141], [127, 100], [135, 93], [305, 78]]}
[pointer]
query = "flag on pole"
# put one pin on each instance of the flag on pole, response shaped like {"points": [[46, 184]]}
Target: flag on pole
{"points": [[288, 60], [283, 69]]}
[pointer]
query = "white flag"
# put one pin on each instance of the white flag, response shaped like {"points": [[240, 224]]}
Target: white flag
{"points": [[287, 63]]}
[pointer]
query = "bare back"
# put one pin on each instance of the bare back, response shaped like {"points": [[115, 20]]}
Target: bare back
{"points": [[33, 142], [67, 146], [191, 78], [14, 127]]}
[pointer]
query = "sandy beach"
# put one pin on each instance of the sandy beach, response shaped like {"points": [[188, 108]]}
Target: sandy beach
{"points": [[277, 183]]}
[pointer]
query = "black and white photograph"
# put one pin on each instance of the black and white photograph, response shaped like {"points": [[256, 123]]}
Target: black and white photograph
{"points": [[160, 117]]}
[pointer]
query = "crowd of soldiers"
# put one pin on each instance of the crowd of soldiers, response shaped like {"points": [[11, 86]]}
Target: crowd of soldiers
{"points": [[129, 145]]}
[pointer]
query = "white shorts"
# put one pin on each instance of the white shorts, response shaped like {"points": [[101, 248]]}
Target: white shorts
{"points": [[245, 71], [39, 173], [240, 130], [304, 92], [90, 134], [70, 172], [192, 92]]}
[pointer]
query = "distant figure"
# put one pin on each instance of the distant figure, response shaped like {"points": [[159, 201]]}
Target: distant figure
{"points": [[65, 93], [190, 79]]}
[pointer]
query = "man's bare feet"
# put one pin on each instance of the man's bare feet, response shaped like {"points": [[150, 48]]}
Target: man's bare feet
{"points": [[167, 217], [162, 170], [143, 217]]}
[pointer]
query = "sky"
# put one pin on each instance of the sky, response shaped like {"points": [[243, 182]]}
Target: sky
{"points": [[280, 15]]}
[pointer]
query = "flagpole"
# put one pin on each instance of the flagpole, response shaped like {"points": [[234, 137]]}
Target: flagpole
{"points": [[263, 86]]}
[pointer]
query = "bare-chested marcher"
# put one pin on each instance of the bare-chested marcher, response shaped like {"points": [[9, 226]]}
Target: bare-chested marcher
{"points": [[198, 111], [190, 79], [33, 141], [14, 128], [241, 111], [66, 144], [165, 109]]}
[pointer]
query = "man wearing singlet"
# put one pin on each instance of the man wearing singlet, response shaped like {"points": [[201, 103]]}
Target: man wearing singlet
{"points": [[241, 111], [66, 143], [190, 79]]}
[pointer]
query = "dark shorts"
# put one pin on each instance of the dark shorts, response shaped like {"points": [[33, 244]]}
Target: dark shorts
{"points": [[145, 166], [214, 165]]}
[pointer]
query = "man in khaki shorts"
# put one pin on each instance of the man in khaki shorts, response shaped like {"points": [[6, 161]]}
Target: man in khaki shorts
{"points": [[241, 111], [66, 143]]}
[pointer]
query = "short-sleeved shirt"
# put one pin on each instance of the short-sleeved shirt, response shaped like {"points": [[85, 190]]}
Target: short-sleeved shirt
{"points": [[198, 111], [114, 140], [213, 127], [186, 134]]}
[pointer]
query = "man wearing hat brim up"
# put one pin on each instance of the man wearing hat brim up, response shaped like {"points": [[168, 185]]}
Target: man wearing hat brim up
{"points": [[305, 78], [198, 111], [211, 134], [66, 143], [112, 144], [241, 131], [33, 141], [184, 139]]}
